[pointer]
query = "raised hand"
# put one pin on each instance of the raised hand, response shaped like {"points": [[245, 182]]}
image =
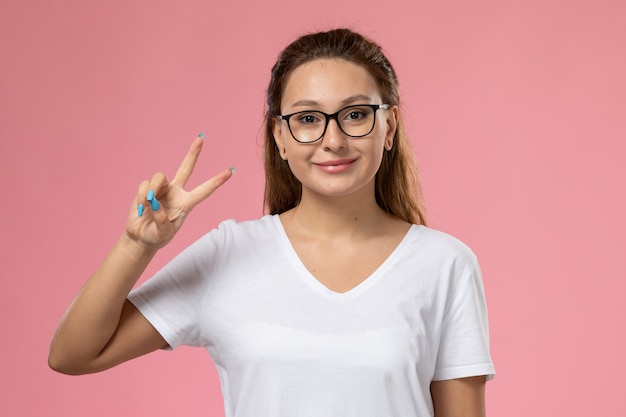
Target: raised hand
{"points": [[161, 206]]}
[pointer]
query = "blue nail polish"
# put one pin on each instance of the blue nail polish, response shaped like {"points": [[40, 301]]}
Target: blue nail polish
{"points": [[201, 135], [154, 204], [150, 195], [232, 170], [140, 209]]}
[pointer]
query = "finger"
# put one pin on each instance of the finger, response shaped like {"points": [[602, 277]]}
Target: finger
{"points": [[156, 189], [201, 192], [189, 162], [140, 198], [158, 213], [158, 184]]}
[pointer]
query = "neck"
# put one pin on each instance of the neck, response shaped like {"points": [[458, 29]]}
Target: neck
{"points": [[337, 216]]}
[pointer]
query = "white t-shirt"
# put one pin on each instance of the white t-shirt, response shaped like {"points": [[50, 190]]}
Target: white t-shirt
{"points": [[285, 345]]}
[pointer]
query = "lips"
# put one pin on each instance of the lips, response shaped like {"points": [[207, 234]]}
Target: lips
{"points": [[336, 165], [335, 162]]}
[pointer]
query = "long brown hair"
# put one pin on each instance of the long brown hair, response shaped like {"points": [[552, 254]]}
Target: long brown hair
{"points": [[398, 190]]}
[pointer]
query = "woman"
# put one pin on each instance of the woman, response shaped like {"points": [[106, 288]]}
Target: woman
{"points": [[340, 302]]}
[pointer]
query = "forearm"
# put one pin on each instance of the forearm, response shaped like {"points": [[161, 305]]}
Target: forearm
{"points": [[462, 397], [94, 315]]}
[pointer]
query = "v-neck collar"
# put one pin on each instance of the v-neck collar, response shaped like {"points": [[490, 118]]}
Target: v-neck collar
{"points": [[317, 285]]}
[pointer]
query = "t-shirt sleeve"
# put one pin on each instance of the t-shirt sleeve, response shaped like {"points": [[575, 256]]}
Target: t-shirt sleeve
{"points": [[464, 344], [171, 300]]}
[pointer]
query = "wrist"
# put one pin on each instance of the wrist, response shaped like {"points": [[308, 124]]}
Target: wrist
{"points": [[135, 248]]}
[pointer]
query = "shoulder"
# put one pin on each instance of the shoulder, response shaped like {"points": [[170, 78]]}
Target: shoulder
{"points": [[439, 244], [437, 254], [266, 223], [247, 232], [231, 239]]}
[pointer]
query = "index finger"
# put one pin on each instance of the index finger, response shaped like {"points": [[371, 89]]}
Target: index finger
{"points": [[189, 162]]}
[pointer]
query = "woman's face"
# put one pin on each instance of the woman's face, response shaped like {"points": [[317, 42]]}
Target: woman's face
{"points": [[337, 164]]}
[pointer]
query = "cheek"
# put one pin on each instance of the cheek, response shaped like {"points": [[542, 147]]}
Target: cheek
{"points": [[379, 151], [296, 153]]}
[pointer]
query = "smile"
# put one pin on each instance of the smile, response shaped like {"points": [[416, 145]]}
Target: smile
{"points": [[335, 166]]}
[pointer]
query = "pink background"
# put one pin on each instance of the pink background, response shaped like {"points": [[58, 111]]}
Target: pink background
{"points": [[516, 109]]}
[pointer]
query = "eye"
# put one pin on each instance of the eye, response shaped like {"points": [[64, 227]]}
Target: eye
{"points": [[355, 115], [308, 118]]}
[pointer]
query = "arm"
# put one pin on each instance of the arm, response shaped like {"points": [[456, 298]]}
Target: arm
{"points": [[101, 328], [463, 397]]}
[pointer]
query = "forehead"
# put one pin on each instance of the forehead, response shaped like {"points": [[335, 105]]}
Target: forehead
{"points": [[327, 82]]}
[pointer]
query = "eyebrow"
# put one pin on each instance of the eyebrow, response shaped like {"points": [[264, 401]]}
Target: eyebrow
{"points": [[344, 102]]}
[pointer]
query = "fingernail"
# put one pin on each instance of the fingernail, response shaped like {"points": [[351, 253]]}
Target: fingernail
{"points": [[232, 170], [150, 195], [154, 204], [201, 135], [140, 209]]}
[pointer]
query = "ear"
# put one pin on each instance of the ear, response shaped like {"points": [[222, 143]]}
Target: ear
{"points": [[392, 125], [277, 129]]}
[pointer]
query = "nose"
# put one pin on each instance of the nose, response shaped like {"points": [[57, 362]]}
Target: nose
{"points": [[333, 139]]}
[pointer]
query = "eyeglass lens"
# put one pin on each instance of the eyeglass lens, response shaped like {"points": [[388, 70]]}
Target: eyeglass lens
{"points": [[309, 126]]}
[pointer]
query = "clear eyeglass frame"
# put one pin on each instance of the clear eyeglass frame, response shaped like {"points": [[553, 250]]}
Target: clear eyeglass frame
{"points": [[329, 117]]}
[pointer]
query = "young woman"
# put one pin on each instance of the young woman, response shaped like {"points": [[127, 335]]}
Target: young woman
{"points": [[340, 301]]}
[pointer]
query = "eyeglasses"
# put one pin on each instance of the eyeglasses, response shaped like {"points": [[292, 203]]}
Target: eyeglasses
{"points": [[355, 121]]}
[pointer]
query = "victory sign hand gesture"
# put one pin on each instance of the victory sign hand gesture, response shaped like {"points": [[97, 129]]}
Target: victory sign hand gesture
{"points": [[161, 206]]}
